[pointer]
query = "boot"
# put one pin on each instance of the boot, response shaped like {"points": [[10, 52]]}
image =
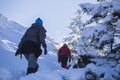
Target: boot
{"points": [[32, 70], [29, 70], [36, 68]]}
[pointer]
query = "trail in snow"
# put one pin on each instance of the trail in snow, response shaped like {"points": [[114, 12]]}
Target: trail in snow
{"points": [[50, 69]]}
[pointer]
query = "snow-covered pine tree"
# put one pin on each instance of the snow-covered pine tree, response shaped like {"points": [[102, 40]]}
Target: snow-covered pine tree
{"points": [[100, 34], [77, 42], [80, 37], [106, 29], [75, 26]]}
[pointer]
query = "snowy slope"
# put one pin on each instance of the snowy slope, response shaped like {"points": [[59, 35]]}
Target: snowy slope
{"points": [[12, 67], [10, 33]]}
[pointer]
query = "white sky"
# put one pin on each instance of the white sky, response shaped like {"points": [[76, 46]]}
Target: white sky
{"points": [[56, 14]]}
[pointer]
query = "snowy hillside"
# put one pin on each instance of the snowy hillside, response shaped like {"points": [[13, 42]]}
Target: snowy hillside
{"points": [[11, 67], [10, 34], [14, 68]]}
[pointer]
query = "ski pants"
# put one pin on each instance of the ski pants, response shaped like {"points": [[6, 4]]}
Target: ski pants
{"points": [[32, 60], [64, 59]]}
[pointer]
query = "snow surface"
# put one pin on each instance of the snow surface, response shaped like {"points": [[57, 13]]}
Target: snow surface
{"points": [[14, 68]]}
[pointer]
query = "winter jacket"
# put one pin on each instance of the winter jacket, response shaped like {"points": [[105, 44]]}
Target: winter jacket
{"points": [[35, 33], [31, 47], [64, 50]]}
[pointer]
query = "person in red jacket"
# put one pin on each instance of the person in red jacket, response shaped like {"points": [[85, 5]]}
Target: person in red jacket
{"points": [[64, 54]]}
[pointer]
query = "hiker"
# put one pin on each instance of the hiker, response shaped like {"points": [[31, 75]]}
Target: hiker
{"points": [[30, 45], [64, 55]]}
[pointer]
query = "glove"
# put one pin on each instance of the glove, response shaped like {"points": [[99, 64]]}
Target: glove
{"points": [[45, 51], [17, 52]]}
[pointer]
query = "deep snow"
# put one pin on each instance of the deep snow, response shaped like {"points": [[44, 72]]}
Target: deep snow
{"points": [[14, 68]]}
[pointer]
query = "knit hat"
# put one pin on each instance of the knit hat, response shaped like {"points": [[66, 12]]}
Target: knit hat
{"points": [[39, 21]]}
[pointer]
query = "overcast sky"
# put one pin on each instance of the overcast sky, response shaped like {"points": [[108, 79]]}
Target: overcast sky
{"points": [[56, 14]]}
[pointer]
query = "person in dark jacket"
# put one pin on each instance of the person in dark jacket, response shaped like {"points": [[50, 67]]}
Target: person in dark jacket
{"points": [[64, 54], [30, 44]]}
